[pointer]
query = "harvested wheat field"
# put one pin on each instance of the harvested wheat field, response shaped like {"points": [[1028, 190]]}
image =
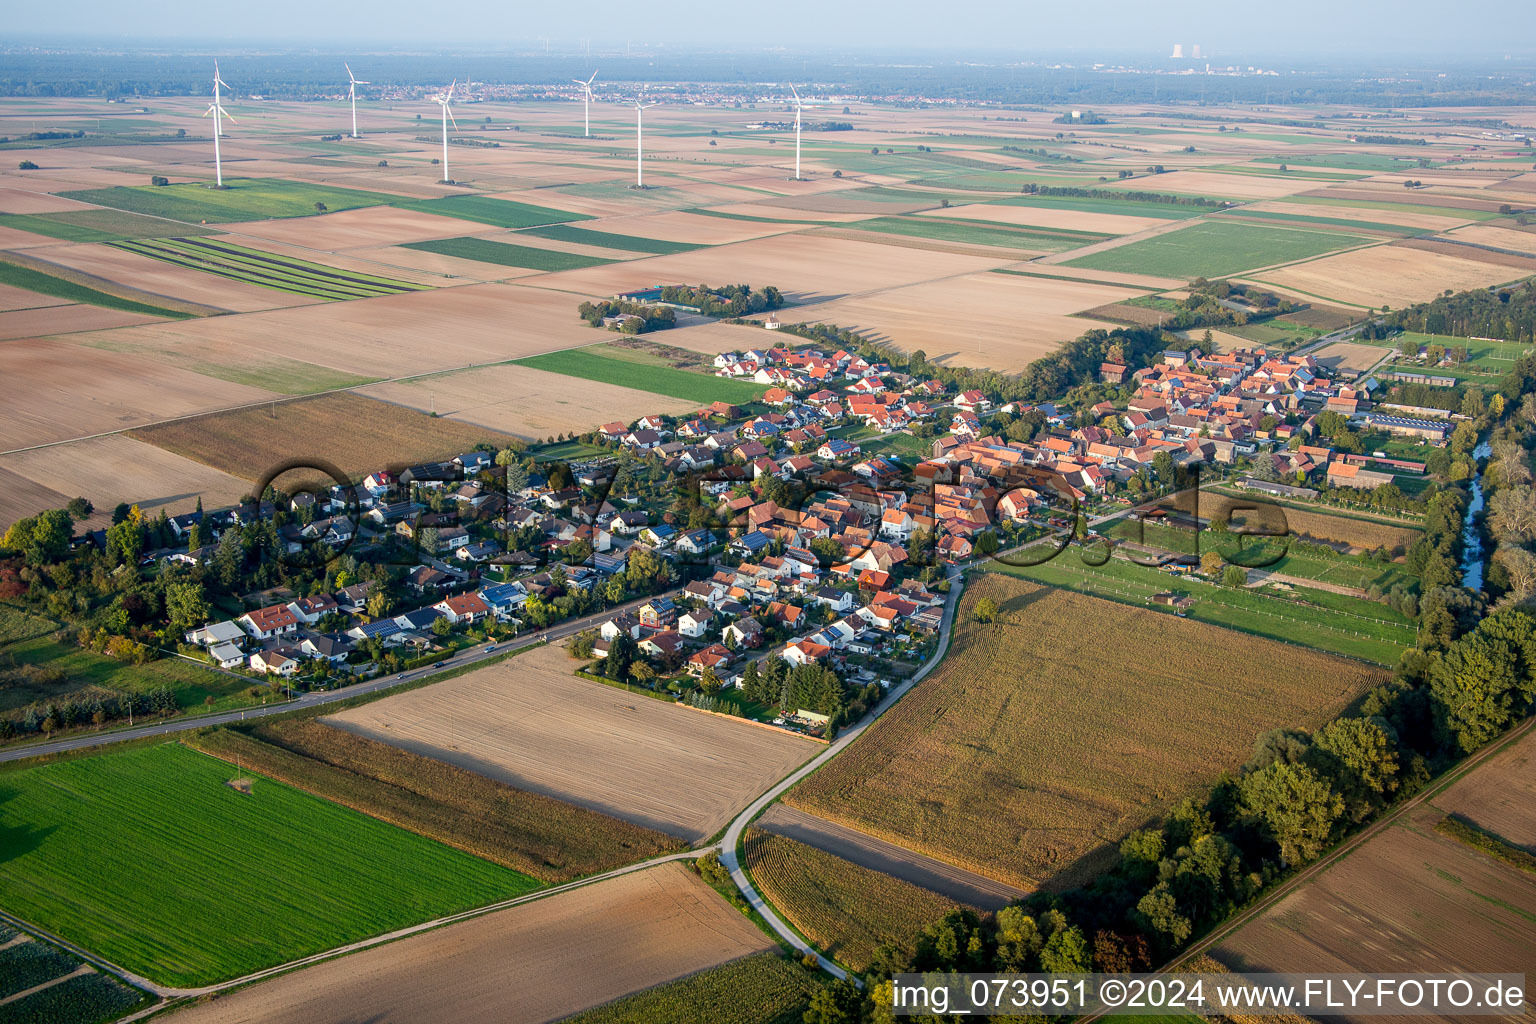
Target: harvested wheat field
{"points": [[1404, 218], [1389, 274], [530, 723], [20, 497], [804, 267], [389, 336], [1517, 263], [50, 395], [1343, 355], [1500, 238], [528, 403], [529, 964], [999, 321], [1358, 534], [1030, 753], [1407, 897], [788, 216], [117, 468], [682, 226], [355, 434], [1500, 796], [1050, 217], [66, 318]]}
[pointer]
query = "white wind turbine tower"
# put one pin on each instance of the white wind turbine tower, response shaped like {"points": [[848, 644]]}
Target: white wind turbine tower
{"points": [[639, 148], [353, 83], [586, 105], [797, 129], [443, 101], [217, 111]]}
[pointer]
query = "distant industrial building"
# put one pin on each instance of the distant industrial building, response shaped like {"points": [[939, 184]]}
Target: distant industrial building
{"points": [[1178, 52]]}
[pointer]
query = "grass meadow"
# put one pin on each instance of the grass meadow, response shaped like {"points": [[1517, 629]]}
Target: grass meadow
{"points": [[200, 882]]}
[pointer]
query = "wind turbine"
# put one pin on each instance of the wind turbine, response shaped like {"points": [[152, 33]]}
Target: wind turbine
{"points": [[443, 101], [353, 83], [217, 111], [639, 149], [586, 106], [797, 129]]}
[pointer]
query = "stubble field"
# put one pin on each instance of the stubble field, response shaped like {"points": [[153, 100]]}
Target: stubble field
{"points": [[532, 724], [1029, 754], [525, 965], [1388, 274]]}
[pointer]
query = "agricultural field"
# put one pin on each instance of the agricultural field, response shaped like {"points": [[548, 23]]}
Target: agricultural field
{"points": [[506, 254], [256, 266], [531, 723], [1039, 215], [1408, 895], [975, 232], [96, 225], [60, 287], [1360, 533], [85, 998], [239, 199], [607, 239], [501, 213], [355, 434], [524, 402], [762, 989], [199, 883], [697, 388], [1027, 755], [1384, 274], [547, 839], [1498, 796], [848, 911], [561, 955], [1215, 249]]}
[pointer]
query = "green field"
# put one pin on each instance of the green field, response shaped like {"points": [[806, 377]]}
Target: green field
{"points": [[761, 989], [609, 240], [662, 380], [90, 225], [979, 233], [199, 882], [1243, 214], [1320, 620], [47, 284], [503, 213], [1352, 161], [1485, 357], [1212, 249], [504, 254], [1128, 207], [20, 624], [269, 270], [83, 670], [239, 199]]}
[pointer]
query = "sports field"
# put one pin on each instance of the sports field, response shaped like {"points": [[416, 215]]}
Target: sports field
{"points": [[239, 199], [661, 380], [506, 254], [200, 881], [1213, 249]]}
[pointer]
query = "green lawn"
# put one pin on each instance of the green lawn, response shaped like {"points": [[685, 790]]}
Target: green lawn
{"points": [[503, 213], [1318, 619], [661, 380], [47, 284], [1214, 249], [267, 269], [191, 682], [240, 199], [979, 233], [609, 240], [150, 859], [504, 254], [87, 225]]}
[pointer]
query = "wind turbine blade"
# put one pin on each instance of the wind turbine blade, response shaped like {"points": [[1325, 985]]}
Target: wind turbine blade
{"points": [[361, 82], [796, 92], [451, 119], [349, 71], [593, 78], [227, 114]]}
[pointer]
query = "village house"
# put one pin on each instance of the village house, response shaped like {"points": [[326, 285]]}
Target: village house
{"points": [[265, 623]]}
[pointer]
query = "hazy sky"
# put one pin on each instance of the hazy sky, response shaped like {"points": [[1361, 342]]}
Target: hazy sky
{"points": [[1239, 28]]}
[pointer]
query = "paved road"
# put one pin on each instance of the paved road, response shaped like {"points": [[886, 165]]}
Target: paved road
{"points": [[316, 699], [734, 830]]}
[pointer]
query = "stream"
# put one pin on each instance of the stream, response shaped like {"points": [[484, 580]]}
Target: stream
{"points": [[1472, 558]]}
